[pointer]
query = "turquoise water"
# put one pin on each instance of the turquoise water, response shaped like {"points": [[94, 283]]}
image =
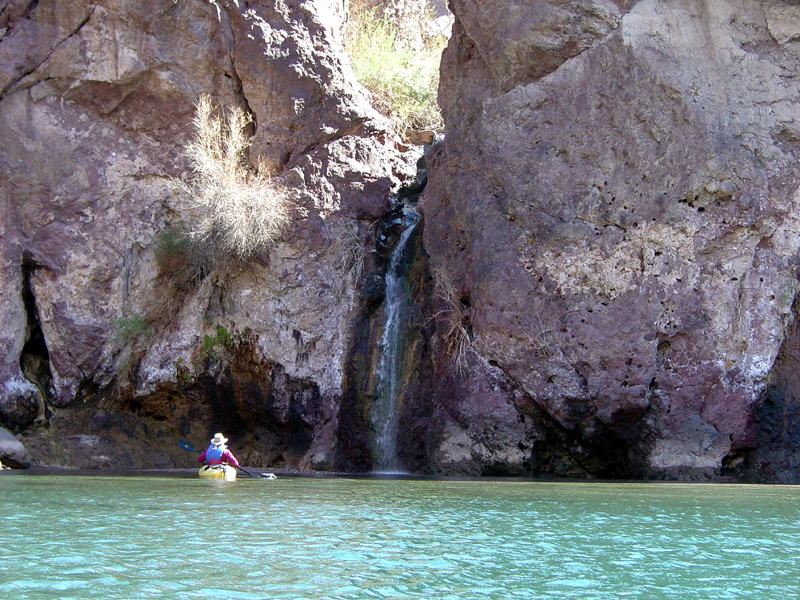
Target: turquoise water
{"points": [[179, 538]]}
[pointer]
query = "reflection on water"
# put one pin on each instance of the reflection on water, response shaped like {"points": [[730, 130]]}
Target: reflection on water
{"points": [[123, 537]]}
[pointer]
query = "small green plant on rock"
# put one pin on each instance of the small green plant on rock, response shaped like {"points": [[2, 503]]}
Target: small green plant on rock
{"points": [[182, 372], [212, 344], [180, 268], [132, 329], [175, 257]]}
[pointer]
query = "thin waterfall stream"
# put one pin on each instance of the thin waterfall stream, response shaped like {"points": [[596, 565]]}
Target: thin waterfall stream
{"points": [[389, 373]]}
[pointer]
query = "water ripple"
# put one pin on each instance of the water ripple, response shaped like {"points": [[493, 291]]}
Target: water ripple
{"points": [[184, 539]]}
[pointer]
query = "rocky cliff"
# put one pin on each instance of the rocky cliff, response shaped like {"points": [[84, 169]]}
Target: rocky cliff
{"points": [[603, 279], [616, 203], [110, 353]]}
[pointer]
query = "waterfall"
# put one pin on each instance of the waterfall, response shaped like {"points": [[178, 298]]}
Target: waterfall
{"points": [[389, 373]]}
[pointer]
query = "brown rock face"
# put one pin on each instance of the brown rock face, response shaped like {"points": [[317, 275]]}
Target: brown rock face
{"points": [[602, 284], [98, 337], [616, 204]]}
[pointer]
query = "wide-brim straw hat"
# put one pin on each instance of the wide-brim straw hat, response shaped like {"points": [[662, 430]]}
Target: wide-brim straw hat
{"points": [[219, 439]]}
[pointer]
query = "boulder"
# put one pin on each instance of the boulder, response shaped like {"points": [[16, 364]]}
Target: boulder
{"points": [[20, 404], [12, 452]]}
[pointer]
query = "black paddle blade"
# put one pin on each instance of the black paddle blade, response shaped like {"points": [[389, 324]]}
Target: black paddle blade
{"points": [[187, 446]]}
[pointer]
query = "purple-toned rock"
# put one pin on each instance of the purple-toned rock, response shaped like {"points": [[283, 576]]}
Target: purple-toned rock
{"points": [[96, 107], [616, 200], [12, 452]]}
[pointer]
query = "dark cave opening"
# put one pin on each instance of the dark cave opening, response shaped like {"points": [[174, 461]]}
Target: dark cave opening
{"points": [[35, 358]]}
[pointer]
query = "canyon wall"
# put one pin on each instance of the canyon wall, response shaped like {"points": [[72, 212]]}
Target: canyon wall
{"points": [[603, 279], [109, 352], [616, 204]]}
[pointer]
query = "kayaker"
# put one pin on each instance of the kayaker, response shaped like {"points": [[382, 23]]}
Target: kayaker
{"points": [[217, 452]]}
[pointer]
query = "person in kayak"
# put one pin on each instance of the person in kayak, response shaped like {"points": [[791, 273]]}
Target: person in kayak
{"points": [[217, 452]]}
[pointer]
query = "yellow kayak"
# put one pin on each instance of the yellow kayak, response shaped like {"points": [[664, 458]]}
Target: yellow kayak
{"points": [[225, 472]]}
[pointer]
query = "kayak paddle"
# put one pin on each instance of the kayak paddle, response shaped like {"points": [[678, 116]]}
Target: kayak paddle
{"points": [[189, 448], [264, 475]]}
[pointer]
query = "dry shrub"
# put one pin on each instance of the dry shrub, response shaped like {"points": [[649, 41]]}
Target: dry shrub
{"points": [[180, 269], [237, 211], [347, 243], [453, 319], [541, 337]]}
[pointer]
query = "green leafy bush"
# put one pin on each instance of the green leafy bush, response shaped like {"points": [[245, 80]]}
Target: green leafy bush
{"points": [[401, 74], [178, 265]]}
